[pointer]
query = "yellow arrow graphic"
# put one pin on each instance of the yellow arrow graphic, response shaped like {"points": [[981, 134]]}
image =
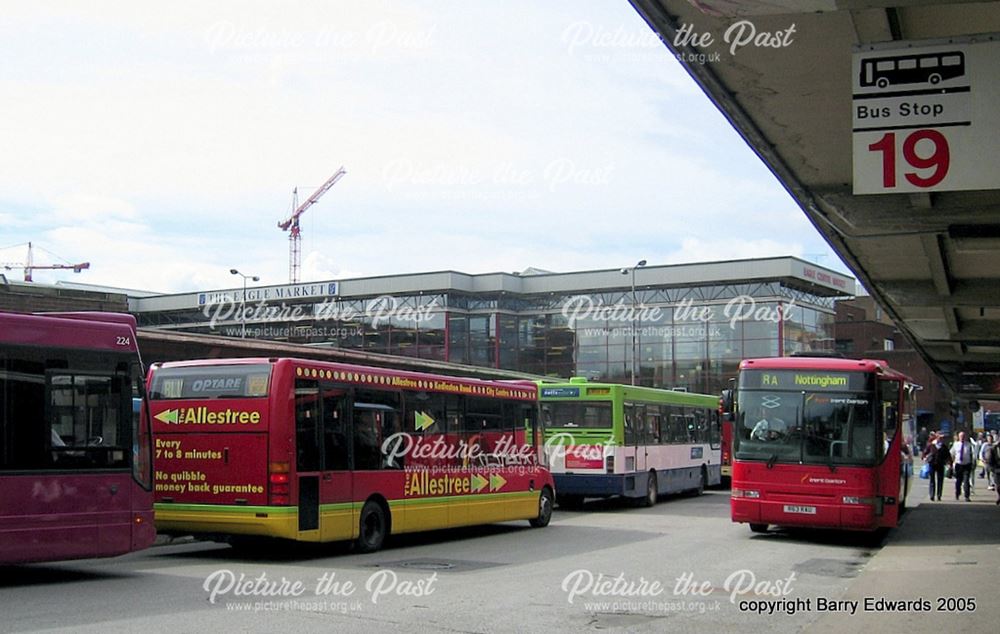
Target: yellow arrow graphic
{"points": [[423, 421], [478, 483], [167, 416], [496, 482]]}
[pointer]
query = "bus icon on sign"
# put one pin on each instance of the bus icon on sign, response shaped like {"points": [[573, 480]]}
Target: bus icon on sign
{"points": [[918, 68]]}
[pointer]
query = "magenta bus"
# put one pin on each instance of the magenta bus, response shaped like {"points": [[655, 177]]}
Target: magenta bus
{"points": [[75, 442]]}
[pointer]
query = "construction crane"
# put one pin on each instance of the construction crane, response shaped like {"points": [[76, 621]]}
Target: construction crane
{"points": [[291, 225], [30, 266]]}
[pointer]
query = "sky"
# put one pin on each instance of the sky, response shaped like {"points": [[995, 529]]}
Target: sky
{"points": [[162, 143]]}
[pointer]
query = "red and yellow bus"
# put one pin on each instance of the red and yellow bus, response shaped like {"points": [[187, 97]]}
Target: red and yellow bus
{"points": [[817, 442], [75, 453], [314, 451]]}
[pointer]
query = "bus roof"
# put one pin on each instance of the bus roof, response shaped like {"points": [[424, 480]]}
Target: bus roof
{"points": [[362, 374], [557, 390], [827, 364], [89, 331]]}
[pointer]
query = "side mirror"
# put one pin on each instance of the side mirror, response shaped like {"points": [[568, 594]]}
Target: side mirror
{"points": [[726, 402]]}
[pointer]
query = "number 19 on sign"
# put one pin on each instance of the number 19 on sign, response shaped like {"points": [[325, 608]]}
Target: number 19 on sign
{"points": [[933, 154]]}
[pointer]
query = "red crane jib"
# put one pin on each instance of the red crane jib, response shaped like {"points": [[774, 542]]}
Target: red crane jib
{"points": [[293, 221]]}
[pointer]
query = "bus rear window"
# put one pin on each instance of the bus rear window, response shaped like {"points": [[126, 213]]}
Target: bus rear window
{"points": [[206, 382], [593, 415]]}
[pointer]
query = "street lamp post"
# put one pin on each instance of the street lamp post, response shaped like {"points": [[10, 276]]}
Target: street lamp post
{"points": [[631, 271], [243, 302]]}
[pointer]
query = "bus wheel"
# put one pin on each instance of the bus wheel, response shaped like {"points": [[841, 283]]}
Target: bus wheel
{"points": [[652, 492], [544, 509], [758, 528], [373, 527]]}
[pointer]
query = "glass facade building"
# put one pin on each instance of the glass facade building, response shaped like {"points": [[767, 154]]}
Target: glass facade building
{"points": [[683, 326]]}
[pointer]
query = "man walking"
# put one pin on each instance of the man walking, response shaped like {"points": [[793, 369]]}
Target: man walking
{"points": [[984, 458], [961, 456]]}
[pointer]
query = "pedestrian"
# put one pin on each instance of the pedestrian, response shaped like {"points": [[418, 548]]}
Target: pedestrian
{"points": [[984, 459], [993, 464], [976, 441], [906, 458], [961, 456], [923, 437], [938, 458]]}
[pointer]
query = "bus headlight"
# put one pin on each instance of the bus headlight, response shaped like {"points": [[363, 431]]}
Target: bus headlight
{"points": [[746, 493]]}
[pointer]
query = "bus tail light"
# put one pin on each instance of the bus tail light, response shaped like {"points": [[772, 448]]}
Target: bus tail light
{"points": [[610, 462], [279, 481], [746, 493]]}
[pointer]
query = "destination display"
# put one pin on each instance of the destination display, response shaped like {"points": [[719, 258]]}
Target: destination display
{"points": [[803, 380], [387, 379]]}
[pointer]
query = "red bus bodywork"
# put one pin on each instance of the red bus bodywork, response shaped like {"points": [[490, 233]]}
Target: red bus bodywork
{"points": [[60, 500], [233, 464], [821, 493], [727, 450]]}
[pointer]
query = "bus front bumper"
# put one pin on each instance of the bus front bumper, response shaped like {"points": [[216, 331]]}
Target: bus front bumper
{"points": [[810, 514]]}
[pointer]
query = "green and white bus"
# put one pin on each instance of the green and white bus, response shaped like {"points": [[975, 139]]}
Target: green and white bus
{"points": [[607, 439]]}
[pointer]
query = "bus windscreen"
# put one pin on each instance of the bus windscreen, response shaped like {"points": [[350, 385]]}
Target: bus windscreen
{"points": [[806, 417], [211, 382]]}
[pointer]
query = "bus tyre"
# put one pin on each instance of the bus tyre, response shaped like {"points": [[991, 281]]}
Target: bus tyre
{"points": [[544, 509], [373, 527], [758, 528], [652, 492]]}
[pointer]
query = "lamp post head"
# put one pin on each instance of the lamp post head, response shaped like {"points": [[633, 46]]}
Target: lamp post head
{"points": [[625, 271], [641, 263], [234, 271], [255, 278]]}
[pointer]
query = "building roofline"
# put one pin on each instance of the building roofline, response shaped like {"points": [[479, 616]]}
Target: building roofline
{"points": [[798, 272]]}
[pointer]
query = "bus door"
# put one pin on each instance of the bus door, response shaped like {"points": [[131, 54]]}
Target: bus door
{"points": [[890, 485], [635, 442], [337, 481], [322, 474], [307, 454]]}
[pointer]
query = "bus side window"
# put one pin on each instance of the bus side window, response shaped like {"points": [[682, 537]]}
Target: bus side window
{"points": [[307, 425], [367, 422], [335, 444]]}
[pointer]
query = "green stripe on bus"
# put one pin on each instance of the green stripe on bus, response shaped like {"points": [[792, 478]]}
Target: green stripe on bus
{"points": [[469, 498], [281, 510], [244, 510]]}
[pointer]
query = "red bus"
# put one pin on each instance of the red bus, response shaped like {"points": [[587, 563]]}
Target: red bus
{"points": [[314, 451], [75, 457], [817, 442]]}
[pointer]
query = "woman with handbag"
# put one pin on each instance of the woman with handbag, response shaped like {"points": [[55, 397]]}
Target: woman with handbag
{"points": [[938, 457]]}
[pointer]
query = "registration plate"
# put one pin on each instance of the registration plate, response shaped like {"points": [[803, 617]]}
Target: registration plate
{"points": [[802, 510]]}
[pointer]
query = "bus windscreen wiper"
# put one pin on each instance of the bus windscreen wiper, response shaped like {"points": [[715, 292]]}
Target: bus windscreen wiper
{"points": [[770, 461]]}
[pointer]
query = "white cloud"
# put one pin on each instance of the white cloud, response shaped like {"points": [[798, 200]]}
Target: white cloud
{"points": [[162, 144]]}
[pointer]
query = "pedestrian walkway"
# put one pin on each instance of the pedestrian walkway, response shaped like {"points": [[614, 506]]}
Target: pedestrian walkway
{"points": [[943, 555]]}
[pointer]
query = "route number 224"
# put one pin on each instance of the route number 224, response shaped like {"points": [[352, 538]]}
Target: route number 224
{"points": [[939, 159]]}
